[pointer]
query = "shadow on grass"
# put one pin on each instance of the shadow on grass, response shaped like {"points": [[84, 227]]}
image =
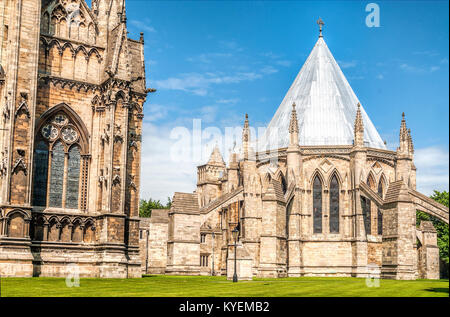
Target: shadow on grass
{"points": [[437, 290]]}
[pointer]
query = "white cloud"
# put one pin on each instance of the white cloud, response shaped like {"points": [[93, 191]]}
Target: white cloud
{"points": [[231, 45], [269, 70], [207, 58], [344, 64], [418, 69], [160, 175], [198, 83], [208, 113], [145, 26], [164, 170], [228, 101], [154, 112], [426, 53], [432, 169], [284, 63]]}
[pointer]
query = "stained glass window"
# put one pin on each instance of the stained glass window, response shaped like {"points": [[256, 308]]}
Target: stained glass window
{"points": [[283, 184], [365, 205], [40, 174], [288, 213], [317, 205], [73, 176], [334, 205], [56, 175], [380, 214], [58, 133]]}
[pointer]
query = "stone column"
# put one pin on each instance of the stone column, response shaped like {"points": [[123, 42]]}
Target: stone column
{"points": [[272, 259], [428, 262], [399, 256]]}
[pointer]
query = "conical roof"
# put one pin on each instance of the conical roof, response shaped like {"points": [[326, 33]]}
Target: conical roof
{"points": [[326, 107]]}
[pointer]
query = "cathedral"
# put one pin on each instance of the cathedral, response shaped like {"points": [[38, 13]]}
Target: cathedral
{"points": [[319, 194], [71, 101]]}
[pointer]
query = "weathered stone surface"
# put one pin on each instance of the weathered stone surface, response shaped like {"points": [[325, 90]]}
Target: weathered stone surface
{"points": [[64, 87]]}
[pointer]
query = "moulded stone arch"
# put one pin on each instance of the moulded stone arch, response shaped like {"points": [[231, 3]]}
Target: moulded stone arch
{"points": [[77, 230], [62, 27], [282, 181], [318, 173], [37, 228], [56, 43], [371, 181], [94, 51], [17, 221], [44, 42], [338, 177], [92, 33], [75, 119], [53, 228], [384, 182], [66, 229], [83, 49]]}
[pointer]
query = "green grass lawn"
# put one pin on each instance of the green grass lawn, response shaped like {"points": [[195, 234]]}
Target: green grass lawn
{"points": [[195, 286]]}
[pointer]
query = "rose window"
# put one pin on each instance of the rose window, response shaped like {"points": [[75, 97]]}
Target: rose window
{"points": [[60, 119], [49, 132], [69, 135]]}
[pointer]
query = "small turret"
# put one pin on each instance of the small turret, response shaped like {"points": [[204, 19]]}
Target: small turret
{"points": [[246, 137], [405, 169], [293, 127], [359, 128], [293, 151], [404, 137]]}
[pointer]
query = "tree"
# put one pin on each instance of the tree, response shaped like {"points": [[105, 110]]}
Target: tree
{"points": [[441, 227], [146, 206]]}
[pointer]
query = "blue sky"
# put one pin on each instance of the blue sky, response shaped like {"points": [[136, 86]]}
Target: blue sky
{"points": [[216, 61]]}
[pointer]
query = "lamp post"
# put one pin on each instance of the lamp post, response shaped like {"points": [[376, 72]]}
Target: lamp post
{"points": [[235, 233], [212, 260]]}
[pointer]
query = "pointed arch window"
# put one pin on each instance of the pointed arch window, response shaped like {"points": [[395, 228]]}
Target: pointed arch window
{"points": [[283, 184], [40, 174], [317, 205], [365, 205], [58, 163], [334, 205], [380, 215]]}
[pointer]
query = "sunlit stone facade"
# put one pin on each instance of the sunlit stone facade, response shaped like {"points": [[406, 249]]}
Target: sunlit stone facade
{"points": [[71, 97], [324, 197]]}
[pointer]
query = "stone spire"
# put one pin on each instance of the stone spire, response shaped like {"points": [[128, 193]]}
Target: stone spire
{"points": [[359, 128], [293, 127], [404, 136], [246, 137]]}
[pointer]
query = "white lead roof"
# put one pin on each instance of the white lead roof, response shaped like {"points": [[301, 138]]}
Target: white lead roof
{"points": [[326, 107]]}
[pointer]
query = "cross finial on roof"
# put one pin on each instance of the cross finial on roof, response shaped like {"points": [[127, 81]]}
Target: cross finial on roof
{"points": [[320, 23]]}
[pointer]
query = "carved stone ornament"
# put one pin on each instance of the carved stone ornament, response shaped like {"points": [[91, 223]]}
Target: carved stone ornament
{"points": [[116, 180]]}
